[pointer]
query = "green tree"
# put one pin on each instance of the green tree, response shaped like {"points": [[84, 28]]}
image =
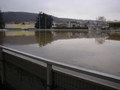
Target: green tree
{"points": [[2, 24], [43, 21]]}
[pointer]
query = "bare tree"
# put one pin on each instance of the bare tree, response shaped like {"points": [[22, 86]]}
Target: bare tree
{"points": [[101, 18]]}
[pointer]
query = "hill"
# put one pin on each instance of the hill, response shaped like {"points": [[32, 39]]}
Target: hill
{"points": [[25, 16], [19, 16]]}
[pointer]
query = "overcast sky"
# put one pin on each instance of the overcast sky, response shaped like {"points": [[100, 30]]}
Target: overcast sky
{"points": [[78, 9]]}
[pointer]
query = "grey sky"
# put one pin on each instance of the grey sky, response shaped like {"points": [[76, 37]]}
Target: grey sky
{"points": [[79, 9]]}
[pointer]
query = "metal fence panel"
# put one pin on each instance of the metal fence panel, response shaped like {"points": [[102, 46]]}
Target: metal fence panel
{"points": [[24, 75], [64, 81]]}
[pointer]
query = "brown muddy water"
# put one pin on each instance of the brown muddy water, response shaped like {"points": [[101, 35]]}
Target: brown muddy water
{"points": [[99, 51]]}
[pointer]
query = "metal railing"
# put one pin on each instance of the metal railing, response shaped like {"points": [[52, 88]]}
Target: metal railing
{"points": [[111, 80]]}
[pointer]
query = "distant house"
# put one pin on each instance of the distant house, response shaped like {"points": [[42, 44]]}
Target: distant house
{"points": [[98, 25], [114, 24], [72, 24], [54, 25], [22, 25]]}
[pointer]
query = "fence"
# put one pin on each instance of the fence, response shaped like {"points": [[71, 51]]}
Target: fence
{"points": [[23, 71]]}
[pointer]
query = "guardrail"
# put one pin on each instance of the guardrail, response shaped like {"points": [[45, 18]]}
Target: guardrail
{"points": [[107, 80]]}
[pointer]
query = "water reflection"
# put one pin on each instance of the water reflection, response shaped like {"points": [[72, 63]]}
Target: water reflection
{"points": [[101, 37], [43, 38], [17, 38], [2, 35], [114, 36]]}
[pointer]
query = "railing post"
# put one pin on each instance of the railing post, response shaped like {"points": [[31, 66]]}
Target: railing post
{"points": [[49, 77], [2, 66]]}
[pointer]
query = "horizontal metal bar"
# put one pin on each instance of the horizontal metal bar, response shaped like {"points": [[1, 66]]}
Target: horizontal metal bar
{"points": [[89, 72]]}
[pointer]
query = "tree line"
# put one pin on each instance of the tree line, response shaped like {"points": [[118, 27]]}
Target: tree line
{"points": [[2, 24], [43, 21]]}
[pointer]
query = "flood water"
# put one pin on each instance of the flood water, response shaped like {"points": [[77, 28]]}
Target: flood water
{"points": [[98, 50]]}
